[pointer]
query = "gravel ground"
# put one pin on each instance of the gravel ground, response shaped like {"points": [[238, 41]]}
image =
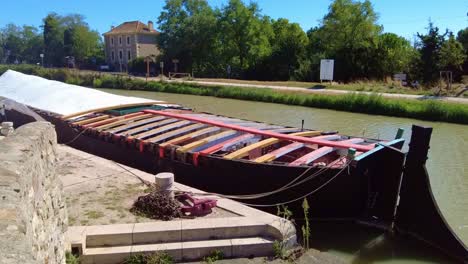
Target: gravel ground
{"points": [[100, 192]]}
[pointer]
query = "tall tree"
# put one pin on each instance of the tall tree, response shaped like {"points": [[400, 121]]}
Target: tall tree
{"points": [[188, 33], [394, 54], [243, 39], [429, 46], [452, 54], [85, 44], [462, 37], [20, 44], [53, 40], [289, 44], [349, 33]]}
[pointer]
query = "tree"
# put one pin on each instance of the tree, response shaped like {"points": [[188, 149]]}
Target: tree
{"points": [[452, 54], [86, 44], [349, 34], [462, 37], [243, 40], [429, 46], [288, 44], [20, 44], [188, 33], [53, 40], [394, 54]]}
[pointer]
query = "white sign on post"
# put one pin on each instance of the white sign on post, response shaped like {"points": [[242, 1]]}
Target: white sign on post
{"points": [[326, 70]]}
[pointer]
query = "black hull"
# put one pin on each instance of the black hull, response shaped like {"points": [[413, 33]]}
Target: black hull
{"points": [[347, 196]]}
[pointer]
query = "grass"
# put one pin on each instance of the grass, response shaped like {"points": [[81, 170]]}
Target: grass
{"points": [[374, 104], [367, 86], [94, 214]]}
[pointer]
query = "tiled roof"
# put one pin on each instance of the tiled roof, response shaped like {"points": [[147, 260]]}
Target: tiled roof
{"points": [[132, 27]]}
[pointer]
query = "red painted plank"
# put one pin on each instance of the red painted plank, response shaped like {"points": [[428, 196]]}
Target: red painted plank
{"points": [[334, 144]]}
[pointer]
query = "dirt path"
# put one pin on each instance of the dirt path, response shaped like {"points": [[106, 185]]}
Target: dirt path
{"points": [[328, 91]]}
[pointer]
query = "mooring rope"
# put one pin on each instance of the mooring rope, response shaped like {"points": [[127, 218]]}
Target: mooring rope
{"points": [[76, 137], [283, 188], [303, 196]]}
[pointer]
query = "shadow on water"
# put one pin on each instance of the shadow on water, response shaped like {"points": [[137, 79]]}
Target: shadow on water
{"points": [[358, 244]]}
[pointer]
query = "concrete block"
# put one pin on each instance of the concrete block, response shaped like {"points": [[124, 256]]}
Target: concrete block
{"points": [[109, 235], [252, 247], [196, 250], [173, 249], [221, 228], [107, 255], [157, 232]]}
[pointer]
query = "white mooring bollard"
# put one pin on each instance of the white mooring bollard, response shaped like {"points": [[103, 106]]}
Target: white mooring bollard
{"points": [[7, 129], [164, 183]]}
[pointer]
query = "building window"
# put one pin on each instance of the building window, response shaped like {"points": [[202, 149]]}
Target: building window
{"points": [[129, 56], [128, 40], [112, 41], [120, 55], [120, 40], [112, 56]]}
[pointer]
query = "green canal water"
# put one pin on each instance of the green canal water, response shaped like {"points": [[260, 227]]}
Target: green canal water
{"points": [[447, 166]]}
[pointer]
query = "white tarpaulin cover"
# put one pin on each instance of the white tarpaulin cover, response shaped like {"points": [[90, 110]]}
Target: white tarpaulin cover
{"points": [[57, 97]]}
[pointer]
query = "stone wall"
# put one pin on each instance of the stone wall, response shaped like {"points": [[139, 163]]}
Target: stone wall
{"points": [[33, 217]]}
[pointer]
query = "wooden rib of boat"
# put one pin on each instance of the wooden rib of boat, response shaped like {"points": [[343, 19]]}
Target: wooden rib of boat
{"points": [[149, 126]]}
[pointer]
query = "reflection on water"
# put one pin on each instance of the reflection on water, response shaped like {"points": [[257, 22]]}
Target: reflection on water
{"points": [[447, 166]]}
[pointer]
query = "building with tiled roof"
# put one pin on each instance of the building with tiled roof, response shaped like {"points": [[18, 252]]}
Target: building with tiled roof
{"points": [[128, 41]]}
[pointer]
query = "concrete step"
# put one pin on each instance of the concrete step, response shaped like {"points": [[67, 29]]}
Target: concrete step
{"points": [[175, 231], [183, 251]]}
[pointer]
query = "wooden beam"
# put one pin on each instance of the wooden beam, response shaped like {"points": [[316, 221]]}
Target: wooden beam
{"points": [[122, 121], [264, 133], [193, 135], [265, 143], [226, 144], [110, 120], [279, 152], [160, 130], [318, 153], [90, 120], [135, 124], [174, 133], [206, 140], [140, 129], [101, 109]]}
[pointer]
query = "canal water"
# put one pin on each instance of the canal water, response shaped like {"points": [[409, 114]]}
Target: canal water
{"points": [[447, 166]]}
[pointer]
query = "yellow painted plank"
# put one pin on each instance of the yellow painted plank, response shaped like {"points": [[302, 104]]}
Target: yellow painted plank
{"points": [[204, 141], [265, 158], [265, 143], [91, 120], [66, 117], [189, 136], [122, 121]]}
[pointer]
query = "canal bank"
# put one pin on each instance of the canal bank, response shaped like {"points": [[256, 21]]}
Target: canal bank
{"points": [[424, 108], [446, 165]]}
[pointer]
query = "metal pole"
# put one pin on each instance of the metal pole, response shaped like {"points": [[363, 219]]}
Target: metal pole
{"points": [[147, 70]]}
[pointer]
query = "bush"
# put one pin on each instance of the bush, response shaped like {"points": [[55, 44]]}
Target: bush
{"points": [[155, 258]]}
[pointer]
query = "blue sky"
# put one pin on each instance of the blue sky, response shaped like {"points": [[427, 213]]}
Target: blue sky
{"points": [[404, 17]]}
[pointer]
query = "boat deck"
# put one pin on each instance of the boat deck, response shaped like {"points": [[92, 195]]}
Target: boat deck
{"points": [[188, 133]]}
